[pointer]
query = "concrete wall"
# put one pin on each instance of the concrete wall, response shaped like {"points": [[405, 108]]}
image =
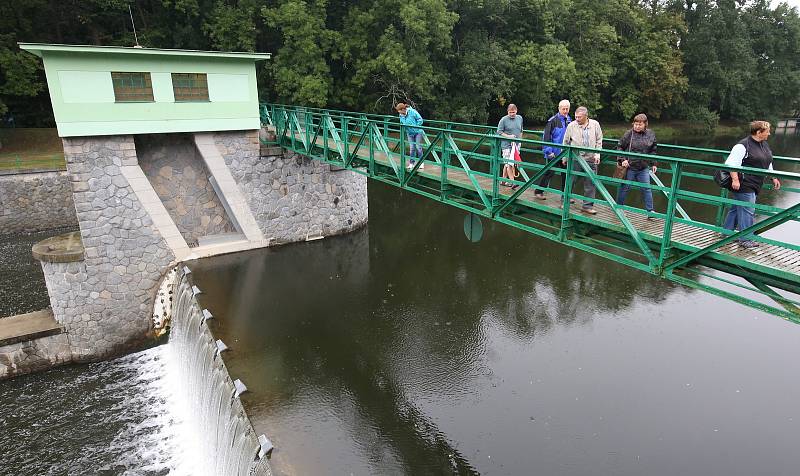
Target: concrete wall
{"points": [[36, 202], [105, 302], [179, 176], [293, 197]]}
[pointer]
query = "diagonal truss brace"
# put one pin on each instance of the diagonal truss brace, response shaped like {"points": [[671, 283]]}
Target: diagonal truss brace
{"points": [[770, 222], [632, 231]]}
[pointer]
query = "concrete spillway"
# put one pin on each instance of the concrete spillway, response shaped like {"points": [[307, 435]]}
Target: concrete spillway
{"points": [[223, 432]]}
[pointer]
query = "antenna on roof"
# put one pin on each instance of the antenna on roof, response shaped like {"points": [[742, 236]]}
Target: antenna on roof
{"points": [[135, 37]]}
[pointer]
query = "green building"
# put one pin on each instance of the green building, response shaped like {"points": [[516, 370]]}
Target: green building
{"points": [[110, 90]]}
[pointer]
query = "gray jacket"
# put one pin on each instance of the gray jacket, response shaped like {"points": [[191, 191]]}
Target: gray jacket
{"points": [[590, 135]]}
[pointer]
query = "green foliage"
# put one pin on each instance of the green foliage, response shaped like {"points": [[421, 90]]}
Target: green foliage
{"points": [[232, 27], [300, 70], [464, 60]]}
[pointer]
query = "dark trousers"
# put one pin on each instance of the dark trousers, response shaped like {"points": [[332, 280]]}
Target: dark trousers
{"points": [[544, 181]]}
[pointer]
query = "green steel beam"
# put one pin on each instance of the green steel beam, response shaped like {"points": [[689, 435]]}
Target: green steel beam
{"points": [[362, 143]]}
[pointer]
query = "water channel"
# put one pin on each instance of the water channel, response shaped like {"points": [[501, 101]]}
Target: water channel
{"points": [[405, 349]]}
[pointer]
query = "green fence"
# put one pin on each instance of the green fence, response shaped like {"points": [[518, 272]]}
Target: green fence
{"points": [[464, 167]]}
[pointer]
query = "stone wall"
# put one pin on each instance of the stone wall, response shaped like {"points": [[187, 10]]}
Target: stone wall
{"points": [[293, 197], [36, 202], [105, 302], [34, 355], [179, 176]]}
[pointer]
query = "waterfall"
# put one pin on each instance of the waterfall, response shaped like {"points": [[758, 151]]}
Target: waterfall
{"points": [[227, 442]]}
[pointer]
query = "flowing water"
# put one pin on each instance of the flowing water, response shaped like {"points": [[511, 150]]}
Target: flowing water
{"points": [[109, 418], [405, 349]]}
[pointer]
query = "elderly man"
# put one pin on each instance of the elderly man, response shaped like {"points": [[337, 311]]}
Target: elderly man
{"points": [[553, 132], [585, 132]]}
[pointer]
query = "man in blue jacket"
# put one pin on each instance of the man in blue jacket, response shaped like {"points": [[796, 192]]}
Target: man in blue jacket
{"points": [[553, 132]]}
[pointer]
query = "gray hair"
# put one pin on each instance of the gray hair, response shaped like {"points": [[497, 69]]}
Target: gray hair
{"points": [[582, 109], [563, 102]]}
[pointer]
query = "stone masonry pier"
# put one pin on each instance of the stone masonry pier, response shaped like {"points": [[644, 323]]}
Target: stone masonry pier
{"points": [[147, 202]]}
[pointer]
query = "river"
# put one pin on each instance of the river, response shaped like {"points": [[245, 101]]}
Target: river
{"points": [[405, 349]]}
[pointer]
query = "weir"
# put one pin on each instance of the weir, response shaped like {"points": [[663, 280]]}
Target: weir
{"points": [[227, 441], [165, 165]]}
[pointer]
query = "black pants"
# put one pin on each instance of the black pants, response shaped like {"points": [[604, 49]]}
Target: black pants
{"points": [[544, 181]]}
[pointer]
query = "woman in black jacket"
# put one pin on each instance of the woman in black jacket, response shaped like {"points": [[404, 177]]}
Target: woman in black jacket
{"points": [[642, 140]]}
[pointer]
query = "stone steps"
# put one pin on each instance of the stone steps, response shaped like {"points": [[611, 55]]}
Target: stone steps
{"points": [[220, 239]]}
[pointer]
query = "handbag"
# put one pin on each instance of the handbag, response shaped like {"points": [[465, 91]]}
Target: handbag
{"points": [[722, 178], [622, 170]]}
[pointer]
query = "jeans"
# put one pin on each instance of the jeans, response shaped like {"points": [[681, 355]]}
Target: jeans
{"points": [[641, 176], [415, 146], [588, 186], [741, 217]]}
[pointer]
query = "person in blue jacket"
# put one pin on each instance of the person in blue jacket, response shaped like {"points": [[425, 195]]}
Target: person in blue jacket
{"points": [[410, 118], [553, 132]]}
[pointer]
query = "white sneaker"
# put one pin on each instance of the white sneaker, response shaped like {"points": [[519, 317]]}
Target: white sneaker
{"points": [[422, 166], [410, 166]]}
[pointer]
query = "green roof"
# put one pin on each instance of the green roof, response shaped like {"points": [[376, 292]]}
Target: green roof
{"points": [[38, 48]]}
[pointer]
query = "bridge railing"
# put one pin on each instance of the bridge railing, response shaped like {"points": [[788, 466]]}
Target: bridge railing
{"points": [[474, 141], [465, 170]]}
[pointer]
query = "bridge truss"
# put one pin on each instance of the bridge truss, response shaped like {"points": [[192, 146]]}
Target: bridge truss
{"points": [[463, 168]]}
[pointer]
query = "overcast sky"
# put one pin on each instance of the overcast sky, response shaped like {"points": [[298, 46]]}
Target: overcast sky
{"points": [[794, 3]]}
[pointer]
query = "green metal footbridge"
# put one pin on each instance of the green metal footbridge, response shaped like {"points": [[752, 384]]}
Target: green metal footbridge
{"points": [[682, 241]]}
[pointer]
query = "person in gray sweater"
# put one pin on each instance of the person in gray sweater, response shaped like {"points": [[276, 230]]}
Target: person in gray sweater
{"points": [[510, 126]]}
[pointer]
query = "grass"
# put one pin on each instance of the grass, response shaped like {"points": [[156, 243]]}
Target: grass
{"points": [[30, 149]]}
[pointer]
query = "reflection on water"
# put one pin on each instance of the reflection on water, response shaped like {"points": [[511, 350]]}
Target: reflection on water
{"points": [[404, 348]]}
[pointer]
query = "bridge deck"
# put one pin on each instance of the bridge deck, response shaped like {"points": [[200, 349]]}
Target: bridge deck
{"points": [[766, 277], [767, 258]]}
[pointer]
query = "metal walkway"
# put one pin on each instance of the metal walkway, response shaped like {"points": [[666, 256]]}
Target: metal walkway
{"points": [[463, 169]]}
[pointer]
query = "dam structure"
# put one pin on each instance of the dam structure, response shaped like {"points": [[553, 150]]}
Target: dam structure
{"points": [[165, 165]]}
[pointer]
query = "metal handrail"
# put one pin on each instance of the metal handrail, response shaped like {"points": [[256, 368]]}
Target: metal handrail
{"points": [[374, 145]]}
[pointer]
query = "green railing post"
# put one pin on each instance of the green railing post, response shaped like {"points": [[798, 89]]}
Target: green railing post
{"points": [[565, 198], [672, 203], [371, 149], [402, 155], [324, 121], [494, 166], [444, 164], [306, 120], [723, 193], [345, 139]]}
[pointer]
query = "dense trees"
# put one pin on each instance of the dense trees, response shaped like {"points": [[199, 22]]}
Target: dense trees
{"points": [[455, 59]]}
